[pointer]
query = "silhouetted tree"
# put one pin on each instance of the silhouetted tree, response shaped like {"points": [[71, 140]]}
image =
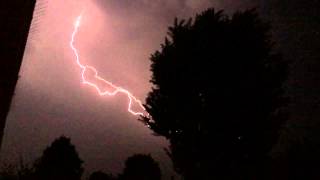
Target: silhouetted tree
{"points": [[141, 167], [216, 95], [304, 157], [303, 162], [60, 161], [98, 175]]}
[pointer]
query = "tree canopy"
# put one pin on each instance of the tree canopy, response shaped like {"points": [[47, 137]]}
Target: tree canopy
{"points": [[141, 167], [59, 161], [217, 90], [99, 175]]}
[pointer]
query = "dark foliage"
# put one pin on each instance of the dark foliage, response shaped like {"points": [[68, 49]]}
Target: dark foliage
{"points": [[303, 162], [141, 167], [60, 161], [216, 96], [98, 175]]}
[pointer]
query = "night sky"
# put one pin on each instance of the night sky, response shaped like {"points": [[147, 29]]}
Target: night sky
{"points": [[118, 37]]}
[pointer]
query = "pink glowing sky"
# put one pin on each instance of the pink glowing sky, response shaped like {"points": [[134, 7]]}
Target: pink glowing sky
{"points": [[117, 37]]}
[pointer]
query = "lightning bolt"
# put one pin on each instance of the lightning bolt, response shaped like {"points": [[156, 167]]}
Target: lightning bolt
{"points": [[115, 89]]}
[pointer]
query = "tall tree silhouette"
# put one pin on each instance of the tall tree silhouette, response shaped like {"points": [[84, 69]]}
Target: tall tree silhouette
{"points": [[216, 95], [60, 161], [141, 167]]}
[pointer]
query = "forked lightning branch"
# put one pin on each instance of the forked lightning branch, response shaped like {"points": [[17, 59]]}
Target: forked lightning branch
{"points": [[113, 89]]}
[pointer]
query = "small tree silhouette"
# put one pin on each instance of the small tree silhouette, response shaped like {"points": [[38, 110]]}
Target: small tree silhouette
{"points": [[141, 167], [60, 161], [216, 95]]}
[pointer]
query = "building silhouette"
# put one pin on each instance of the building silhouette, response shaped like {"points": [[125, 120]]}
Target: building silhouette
{"points": [[15, 21]]}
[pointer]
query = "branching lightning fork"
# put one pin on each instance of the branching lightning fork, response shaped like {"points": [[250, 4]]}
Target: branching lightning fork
{"points": [[116, 89]]}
